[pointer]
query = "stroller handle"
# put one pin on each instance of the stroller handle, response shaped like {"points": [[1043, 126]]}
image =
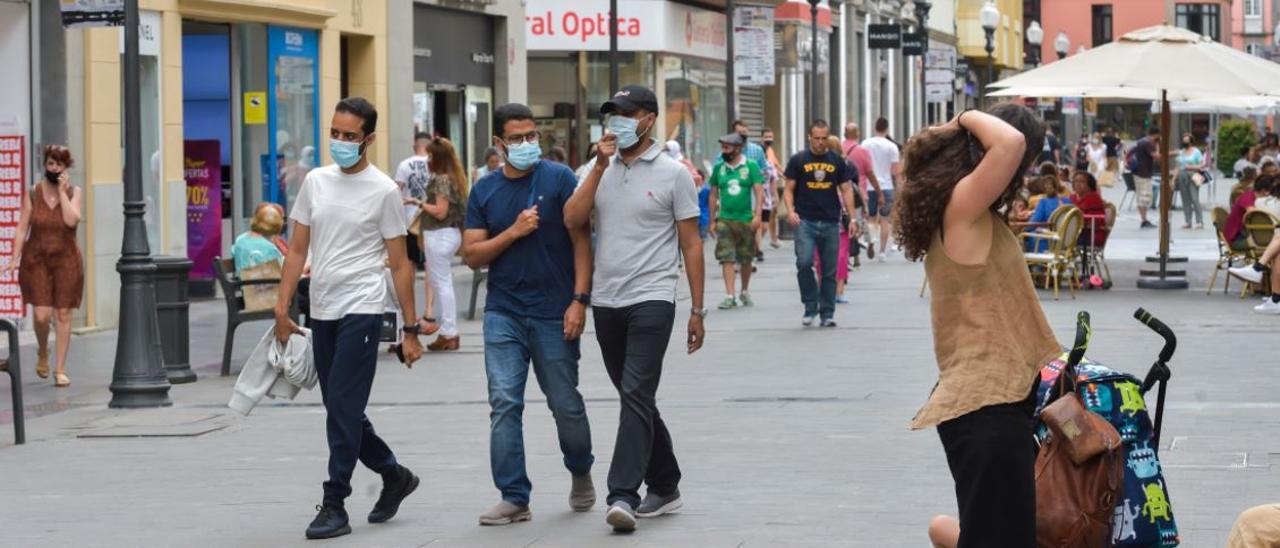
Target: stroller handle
{"points": [[1084, 331], [1170, 341]]}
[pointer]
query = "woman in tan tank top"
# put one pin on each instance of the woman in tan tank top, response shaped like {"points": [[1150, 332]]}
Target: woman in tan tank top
{"points": [[990, 335], [45, 253]]}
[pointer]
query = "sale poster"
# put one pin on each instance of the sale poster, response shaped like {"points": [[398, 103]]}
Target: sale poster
{"points": [[13, 169], [203, 171]]}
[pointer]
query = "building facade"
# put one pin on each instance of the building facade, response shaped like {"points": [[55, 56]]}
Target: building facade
{"points": [[240, 92], [451, 62]]}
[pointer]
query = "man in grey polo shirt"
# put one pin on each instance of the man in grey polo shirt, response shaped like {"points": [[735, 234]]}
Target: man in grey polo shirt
{"points": [[646, 211]]}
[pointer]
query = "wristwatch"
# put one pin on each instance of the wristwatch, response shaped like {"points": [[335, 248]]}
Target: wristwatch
{"points": [[413, 329], [699, 312], [584, 298]]}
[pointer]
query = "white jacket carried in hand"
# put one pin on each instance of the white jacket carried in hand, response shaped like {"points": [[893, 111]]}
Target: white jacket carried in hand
{"points": [[275, 370]]}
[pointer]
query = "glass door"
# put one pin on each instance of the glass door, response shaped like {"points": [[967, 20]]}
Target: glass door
{"points": [[479, 125], [293, 111]]}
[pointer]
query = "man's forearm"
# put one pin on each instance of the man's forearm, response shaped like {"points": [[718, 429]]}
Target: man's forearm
{"points": [[289, 276], [694, 268], [582, 260], [402, 276], [577, 211], [482, 253], [789, 195]]}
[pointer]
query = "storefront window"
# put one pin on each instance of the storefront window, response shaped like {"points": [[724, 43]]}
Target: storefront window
{"points": [[633, 68], [294, 58], [695, 106]]}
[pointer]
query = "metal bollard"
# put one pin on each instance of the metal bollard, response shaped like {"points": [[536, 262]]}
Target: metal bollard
{"points": [[173, 306]]}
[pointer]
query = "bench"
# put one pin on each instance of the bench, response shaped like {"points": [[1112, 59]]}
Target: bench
{"points": [[13, 366], [232, 291]]}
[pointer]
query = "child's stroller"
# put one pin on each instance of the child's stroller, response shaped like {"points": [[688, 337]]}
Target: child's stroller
{"points": [[1143, 514]]}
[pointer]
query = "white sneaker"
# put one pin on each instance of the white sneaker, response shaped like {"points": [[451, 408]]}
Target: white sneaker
{"points": [[808, 320], [880, 258], [1246, 273], [1268, 307], [621, 517]]}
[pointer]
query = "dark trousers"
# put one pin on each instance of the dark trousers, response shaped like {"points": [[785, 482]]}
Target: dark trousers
{"points": [[992, 457], [633, 341], [413, 247], [346, 354]]}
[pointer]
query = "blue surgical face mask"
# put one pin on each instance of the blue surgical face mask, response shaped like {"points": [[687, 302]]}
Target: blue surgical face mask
{"points": [[345, 154], [524, 155], [625, 129]]}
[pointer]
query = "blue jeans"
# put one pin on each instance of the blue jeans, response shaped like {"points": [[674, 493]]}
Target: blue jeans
{"points": [[346, 356], [824, 236], [510, 343]]}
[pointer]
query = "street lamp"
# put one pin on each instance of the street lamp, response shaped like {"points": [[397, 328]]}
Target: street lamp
{"points": [[1061, 44], [813, 60], [138, 378], [922, 23], [1035, 37], [990, 18]]}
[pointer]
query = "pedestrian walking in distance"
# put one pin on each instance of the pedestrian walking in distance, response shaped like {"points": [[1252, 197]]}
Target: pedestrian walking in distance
{"points": [[646, 211], [886, 165], [736, 202], [350, 218], [818, 182], [47, 258], [539, 289], [990, 335]]}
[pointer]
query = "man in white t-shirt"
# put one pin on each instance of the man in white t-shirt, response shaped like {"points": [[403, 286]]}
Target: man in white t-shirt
{"points": [[353, 214], [885, 157], [412, 176]]}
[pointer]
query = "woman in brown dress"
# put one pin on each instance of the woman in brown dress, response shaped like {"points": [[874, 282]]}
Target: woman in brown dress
{"points": [[990, 335], [50, 269]]}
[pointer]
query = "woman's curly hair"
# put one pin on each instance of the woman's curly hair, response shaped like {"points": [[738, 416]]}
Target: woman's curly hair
{"points": [[936, 159]]}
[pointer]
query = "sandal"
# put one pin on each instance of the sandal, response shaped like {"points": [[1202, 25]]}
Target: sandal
{"points": [[429, 326], [444, 344], [62, 381], [42, 364]]}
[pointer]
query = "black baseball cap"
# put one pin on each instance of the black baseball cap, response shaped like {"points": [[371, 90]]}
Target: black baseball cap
{"points": [[630, 99]]}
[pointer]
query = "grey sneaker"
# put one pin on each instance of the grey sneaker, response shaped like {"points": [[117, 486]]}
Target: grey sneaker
{"points": [[655, 505], [745, 299], [583, 494], [505, 513], [621, 517]]}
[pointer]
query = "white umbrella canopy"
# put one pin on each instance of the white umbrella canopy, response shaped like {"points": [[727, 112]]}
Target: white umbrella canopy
{"points": [[1145, 63]]}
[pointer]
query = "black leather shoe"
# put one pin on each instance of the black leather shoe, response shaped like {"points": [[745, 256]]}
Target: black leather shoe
{"points": [[330, 522], [393, 493]]}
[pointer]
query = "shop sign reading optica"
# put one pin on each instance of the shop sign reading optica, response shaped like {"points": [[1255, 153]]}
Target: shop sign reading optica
{"points": [[13, 169], [643, 25]]}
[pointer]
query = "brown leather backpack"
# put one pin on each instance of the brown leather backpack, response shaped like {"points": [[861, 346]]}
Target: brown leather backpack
{"points": [[1075, 502]]}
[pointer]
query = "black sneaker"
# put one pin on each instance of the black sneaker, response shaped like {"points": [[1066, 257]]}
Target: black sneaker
{"points": [[828, 322], [394, 492], [1147, 224], [329, 523]]}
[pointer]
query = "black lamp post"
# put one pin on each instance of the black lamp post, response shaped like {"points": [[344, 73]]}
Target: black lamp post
{"points": [[922, 22], [813, 60], [990, 19], [138, 378]]}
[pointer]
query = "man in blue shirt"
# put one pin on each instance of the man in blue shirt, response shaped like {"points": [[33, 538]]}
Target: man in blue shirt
{"points": [[539, 278]]}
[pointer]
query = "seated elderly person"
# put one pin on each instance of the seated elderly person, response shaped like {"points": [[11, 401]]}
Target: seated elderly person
{"points": [[1086, 197], [262, 243]]}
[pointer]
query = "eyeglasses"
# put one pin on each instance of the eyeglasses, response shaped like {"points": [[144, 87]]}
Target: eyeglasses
{"points": [[531, 137]]}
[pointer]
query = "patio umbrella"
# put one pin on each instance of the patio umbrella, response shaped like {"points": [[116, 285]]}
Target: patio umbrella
{"points": [[1160, 63]]}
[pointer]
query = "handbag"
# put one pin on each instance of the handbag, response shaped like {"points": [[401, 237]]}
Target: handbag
{"points": [[1198, 179], [260, 297], [1079, 471]]}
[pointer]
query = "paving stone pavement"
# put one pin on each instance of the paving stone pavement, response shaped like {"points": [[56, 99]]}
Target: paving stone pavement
{"points": [[786, 436]]}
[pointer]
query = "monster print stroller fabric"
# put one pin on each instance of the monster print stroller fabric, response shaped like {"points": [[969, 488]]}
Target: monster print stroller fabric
{"points": [[1143, 515]]}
